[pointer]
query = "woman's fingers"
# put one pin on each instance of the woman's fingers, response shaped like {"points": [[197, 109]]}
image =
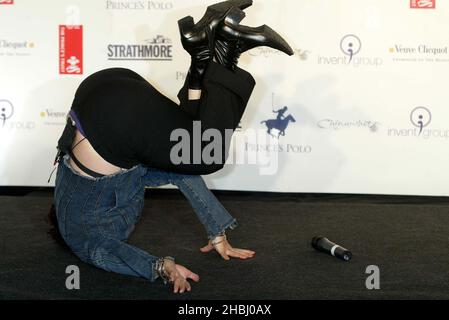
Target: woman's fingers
{"points": [[245, 252], [186, 273], [207, 248], [220, 249], [179, 279], [236, 254], [226, 251], [176, 286], [180, 285], [240, 253], [224, 255], [183, 286], [194, 277]]}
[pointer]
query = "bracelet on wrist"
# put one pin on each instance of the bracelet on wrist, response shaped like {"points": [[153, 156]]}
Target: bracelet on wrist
{"points": [[160, 269], [214, 242]]}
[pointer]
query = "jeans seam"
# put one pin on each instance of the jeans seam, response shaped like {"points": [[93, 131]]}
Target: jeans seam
{"points": [[69, 200], [153, 276], [116, 207], [60, 175], [123, 215], [211, 217], [186, 181], [85, 226], [98, 200], [99, 196]]}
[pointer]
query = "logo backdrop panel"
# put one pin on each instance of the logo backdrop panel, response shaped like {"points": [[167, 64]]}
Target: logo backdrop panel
{"points": [[362, 107]]}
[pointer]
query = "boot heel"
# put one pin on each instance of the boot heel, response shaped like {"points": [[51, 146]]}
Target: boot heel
{"points": [[186, 26], [234, 16], [226, 5], [218, 10]]}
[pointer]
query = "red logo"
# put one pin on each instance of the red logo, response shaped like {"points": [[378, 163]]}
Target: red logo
{"points": [[422, 4], [6, 1], [70, 49]]}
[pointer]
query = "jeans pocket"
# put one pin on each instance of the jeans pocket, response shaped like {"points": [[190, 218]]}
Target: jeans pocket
{"points": [[113, 205]]}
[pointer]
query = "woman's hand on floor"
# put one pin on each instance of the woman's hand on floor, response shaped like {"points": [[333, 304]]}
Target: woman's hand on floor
{"points": [[178, 276], [224, 248]]}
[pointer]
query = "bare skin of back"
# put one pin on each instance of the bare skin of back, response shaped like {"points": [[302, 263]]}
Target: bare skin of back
{"points": [[87, 155]]}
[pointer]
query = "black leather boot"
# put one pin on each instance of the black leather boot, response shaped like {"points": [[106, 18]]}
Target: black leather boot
{"points": [[200, 45], [214, 13], [233, 39], [198, 39]]}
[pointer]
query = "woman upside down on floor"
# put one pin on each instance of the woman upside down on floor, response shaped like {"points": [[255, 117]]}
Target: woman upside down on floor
{"points": [[119, 140]]}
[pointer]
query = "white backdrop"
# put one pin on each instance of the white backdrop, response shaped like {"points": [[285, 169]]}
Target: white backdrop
{"points": [[375, 121]]}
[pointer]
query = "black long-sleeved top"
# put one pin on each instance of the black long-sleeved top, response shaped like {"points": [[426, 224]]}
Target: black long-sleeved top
{"points": [[129, 122]]}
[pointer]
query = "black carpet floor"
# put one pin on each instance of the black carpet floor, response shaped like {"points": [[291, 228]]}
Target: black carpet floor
{"points": [[407, 238]]}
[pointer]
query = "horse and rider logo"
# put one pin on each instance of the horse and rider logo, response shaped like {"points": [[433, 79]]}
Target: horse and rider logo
{"points": [[281, 122]]}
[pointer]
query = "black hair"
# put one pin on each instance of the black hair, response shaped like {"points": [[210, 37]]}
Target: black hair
{"points": [[54, 232]]}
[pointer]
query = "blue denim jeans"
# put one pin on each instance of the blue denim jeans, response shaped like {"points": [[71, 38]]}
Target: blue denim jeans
{"points": [[97, 215]]}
